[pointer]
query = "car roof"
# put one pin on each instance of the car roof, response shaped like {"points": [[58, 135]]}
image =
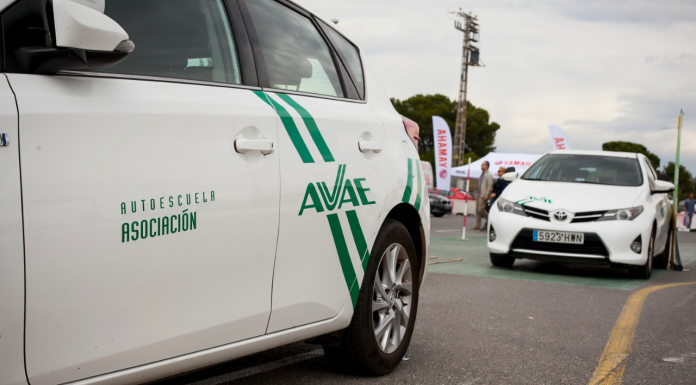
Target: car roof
{"points": [[596, 153]]}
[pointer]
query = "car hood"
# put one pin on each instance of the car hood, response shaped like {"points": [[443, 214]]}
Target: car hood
{"points": [[574, 197]]}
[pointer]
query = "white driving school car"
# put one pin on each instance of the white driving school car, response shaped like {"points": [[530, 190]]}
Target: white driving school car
{"points": [[586, 207], [186, 182]]}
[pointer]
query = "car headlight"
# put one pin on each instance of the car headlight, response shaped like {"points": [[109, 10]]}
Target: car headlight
{"points": [[505, 206], [622, 214], [432, 200]]}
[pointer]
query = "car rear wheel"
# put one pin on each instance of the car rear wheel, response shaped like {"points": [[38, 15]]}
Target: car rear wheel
{"points": [[645, 271], [662, 260], [385, 314], [502, 260]]}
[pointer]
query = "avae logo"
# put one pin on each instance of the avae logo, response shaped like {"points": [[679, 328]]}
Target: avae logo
{"points": [[344, 191]]}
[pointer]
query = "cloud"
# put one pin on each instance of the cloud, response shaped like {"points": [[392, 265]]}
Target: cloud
{"points": [[624, 11], [603, 70]]}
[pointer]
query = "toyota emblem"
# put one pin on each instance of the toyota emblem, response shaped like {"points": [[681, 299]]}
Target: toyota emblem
{"points": [[561, 215]]}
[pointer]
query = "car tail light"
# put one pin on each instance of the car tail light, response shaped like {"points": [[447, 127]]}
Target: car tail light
{"points": [[412, 130]]}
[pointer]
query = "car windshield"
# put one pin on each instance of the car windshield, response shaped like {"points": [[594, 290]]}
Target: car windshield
{"points": [[593, 169]]}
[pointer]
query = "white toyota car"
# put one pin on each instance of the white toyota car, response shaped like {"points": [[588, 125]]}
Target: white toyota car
{"points": [[186, 182], [585, 207]]}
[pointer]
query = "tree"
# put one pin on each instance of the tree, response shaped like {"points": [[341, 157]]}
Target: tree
{"points": [[619, 146], [686, 180], [480, 132]]}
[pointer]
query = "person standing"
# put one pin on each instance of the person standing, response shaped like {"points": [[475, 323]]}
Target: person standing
{"points": [[689, 206], [499, 186], [485, 183]]}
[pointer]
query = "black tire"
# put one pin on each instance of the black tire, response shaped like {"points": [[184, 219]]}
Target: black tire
{"points": [[358, 351], [645, 271], [502, 260], [438, 214], [662, 260]]}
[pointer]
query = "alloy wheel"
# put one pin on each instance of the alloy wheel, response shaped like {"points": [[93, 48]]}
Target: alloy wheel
{"points": [[391, 300]]}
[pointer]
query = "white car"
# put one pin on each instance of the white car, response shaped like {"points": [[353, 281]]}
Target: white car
{"points": [[185, 182], [585, 207]]}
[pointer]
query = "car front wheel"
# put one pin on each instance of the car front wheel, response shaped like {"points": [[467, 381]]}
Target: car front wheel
{"points": [[502, 260], [385, 313], [662, 260]]}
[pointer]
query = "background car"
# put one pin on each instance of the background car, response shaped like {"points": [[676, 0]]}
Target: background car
{"points": [[586, 207], [200, 180], [454, 194], [439, 205]]}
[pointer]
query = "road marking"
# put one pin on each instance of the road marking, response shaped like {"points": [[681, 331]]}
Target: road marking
{"points": [[680, 359], [451, 260], [228, 377], [611, 366]]}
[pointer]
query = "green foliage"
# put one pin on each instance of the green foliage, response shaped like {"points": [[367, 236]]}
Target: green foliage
{"points": [[480, 131], [686, 180], [619, 146]]}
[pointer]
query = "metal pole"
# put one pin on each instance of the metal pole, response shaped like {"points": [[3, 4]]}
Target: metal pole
{"points": [[460, 126], [466, 201], [672, 264]]}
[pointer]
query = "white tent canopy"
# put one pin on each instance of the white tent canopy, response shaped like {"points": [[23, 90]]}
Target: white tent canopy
{"points": [[521, 162]]}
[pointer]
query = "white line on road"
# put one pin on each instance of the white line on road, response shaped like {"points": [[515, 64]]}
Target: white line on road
{"points": [[680, 359], [233, 376]]}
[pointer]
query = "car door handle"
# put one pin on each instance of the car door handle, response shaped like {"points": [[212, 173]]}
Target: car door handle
{"points": [[370, 146], [242, 145]]}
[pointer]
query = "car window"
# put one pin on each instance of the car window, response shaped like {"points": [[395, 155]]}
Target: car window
{"points": [[651, 171], [297, 57], [350, 54], [593, 169], [183, 39]]}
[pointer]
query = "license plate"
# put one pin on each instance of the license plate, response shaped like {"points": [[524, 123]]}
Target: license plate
{"points": [[559, 237]]}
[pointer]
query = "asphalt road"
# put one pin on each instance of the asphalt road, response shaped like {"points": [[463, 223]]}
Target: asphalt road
{"points": [[537, 323]]}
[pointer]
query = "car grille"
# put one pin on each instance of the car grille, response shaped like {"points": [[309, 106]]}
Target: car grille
{"points": [[536, 213], [593, 245], [589, 216]]}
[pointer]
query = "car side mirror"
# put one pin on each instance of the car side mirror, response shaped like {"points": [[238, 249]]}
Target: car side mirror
{"points": [[662, 187], [47, 36], [509, 176], [663, 177]]}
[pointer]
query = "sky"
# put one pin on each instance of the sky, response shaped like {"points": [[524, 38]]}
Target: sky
{"points": [[602, 70]]}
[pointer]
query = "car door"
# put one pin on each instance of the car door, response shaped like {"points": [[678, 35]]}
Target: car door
{"points": [[150, 221], [11, 244], [333, 182]]}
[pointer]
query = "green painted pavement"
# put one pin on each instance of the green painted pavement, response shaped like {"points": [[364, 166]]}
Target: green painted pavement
{"points": [[477, 263]]}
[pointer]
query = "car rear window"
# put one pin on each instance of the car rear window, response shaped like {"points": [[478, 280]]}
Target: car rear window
{"points": [[592, 169]]}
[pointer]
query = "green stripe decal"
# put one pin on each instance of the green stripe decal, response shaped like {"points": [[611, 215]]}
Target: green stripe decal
{"points": [[358, 237], [409, 183], [262, 96], [311, 127], [418, 192], [290, 127], [344, 258]]}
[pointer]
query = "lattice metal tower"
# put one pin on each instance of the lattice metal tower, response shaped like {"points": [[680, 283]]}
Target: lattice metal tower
{"points": [[470, 57]]}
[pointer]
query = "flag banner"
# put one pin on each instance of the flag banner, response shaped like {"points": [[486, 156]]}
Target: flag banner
{"points": [[427, 169], [559, 139], [443, 153]]}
